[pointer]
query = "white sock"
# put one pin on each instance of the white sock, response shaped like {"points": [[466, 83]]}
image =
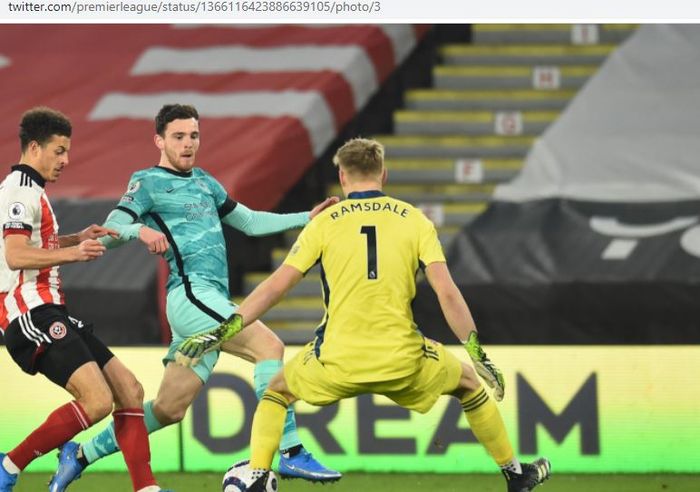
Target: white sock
{"points": [[150, 488], [513, 466], [8, 465]]}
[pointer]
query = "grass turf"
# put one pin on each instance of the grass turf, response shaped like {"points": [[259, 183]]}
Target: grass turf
{"points": [[381, 482]]}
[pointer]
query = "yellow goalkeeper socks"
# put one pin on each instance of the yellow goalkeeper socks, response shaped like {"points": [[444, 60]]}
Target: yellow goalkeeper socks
{"points": [[487, 425], [268, 424]]}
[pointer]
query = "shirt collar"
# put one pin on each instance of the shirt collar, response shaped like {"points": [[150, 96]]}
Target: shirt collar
{"points": [[31, 172], [182, 174], [354, 195]]}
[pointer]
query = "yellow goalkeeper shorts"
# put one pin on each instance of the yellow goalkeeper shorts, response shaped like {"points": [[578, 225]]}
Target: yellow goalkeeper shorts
{"points": [[438, 372]]}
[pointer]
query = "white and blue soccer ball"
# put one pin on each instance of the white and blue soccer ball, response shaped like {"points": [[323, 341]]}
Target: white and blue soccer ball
{"points": [[240, 477]]}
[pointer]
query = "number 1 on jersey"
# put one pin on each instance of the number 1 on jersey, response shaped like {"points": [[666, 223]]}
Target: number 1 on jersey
{"points": [[371, 232]]}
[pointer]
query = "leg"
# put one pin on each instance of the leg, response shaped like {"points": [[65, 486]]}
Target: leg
{"points": [[177, 390], [268, 422], [93, 401], [484, 418], [260, 345], [487, 425], [129, 428]]}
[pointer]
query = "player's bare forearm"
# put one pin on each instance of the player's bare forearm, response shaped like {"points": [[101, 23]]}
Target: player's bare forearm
{"points": [[68, 240], [265, 295], [268, 293], [93, 231], [20, 255]]}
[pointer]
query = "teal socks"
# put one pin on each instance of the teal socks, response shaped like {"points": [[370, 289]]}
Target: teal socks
{"points": [[105, 443]]}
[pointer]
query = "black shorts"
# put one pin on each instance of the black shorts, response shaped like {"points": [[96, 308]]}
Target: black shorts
{"points": [[49, 341]]}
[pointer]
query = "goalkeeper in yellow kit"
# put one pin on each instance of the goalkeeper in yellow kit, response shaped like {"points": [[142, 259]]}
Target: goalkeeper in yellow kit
{"points": [[370, 247]]}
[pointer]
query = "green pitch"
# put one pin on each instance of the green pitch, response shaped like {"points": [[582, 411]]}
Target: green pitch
{"points": [[210, 482]]}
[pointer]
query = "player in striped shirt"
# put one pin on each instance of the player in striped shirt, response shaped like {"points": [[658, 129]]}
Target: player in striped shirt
{"points": [[39, 333]]}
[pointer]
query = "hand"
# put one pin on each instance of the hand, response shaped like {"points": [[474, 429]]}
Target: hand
{"points": [[95, 231], [156, 241], [332, 200], [190, 351], [484, 367], [89, 250]]}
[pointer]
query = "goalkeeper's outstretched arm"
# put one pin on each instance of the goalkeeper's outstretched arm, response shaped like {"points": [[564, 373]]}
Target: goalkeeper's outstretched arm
{"points": [[461, 322], [268, 293], [265, 295]]}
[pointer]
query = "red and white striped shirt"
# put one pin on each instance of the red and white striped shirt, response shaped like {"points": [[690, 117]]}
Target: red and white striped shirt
{"points": [[25, 209]]}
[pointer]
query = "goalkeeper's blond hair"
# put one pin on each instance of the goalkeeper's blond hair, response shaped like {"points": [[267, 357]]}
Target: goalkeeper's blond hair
{"points": [[360, 157]]}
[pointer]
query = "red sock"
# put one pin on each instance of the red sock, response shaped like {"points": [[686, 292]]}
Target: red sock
{"points": [[132, 438], [60, 426]]}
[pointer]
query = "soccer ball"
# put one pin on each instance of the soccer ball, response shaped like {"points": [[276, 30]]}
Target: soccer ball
{"points": [[240, 476]]}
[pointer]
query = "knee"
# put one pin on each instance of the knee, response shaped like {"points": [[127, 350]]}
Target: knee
{"points": [[137, 393], [469, 381], [279, 385], [98, 404], [270, 346], [168, 414], [131, 394]]}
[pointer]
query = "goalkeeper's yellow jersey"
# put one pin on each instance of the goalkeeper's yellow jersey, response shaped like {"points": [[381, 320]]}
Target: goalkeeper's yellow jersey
{"points": [[370, 248]]}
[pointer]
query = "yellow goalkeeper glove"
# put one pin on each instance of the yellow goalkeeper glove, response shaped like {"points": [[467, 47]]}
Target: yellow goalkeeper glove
{"points": [[190, 351], [484, 367]]}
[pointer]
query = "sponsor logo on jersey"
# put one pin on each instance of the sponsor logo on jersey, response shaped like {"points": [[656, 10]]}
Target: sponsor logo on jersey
{"points": [[17, 211], [133, 187], [57, 330]]}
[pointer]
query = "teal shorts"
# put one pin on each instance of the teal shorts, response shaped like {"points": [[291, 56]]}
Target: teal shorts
{"points": [[200, 311]]}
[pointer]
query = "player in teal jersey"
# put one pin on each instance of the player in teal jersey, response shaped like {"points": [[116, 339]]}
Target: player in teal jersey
{"points": [[177, 210]]}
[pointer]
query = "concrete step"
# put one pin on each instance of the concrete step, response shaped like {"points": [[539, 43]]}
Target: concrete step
{"points": [[407, 122], [525, 54], [512, 76], [550, 33], [426, 170], [456, 146], [490, 100]]}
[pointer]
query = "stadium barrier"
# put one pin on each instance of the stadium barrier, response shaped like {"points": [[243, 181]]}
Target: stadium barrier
{"points": [[588, 408]]}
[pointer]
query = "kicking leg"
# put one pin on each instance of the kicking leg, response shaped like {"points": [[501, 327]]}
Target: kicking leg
{"points": [[177, 390]]}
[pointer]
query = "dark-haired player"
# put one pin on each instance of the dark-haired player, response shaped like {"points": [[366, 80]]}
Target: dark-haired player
{"points": [[39, 333]]}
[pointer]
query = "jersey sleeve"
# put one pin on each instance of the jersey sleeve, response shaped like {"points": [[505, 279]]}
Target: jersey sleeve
{"points": [[429, 247], [307, 249], [137, 200], [19, 210], [255, 223]]}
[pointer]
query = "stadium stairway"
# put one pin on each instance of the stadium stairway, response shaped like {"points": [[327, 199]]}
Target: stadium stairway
{"points": [[454, 142]]}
